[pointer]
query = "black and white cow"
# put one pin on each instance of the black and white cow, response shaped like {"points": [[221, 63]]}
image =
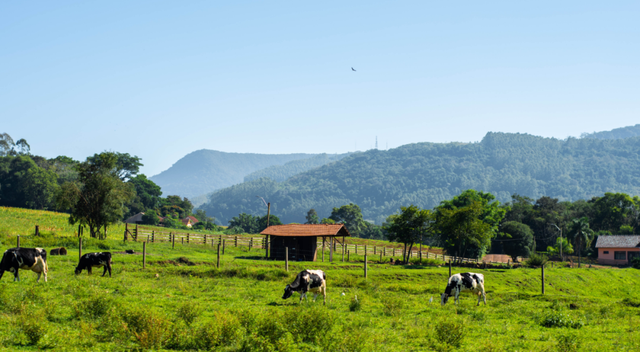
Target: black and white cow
{"points": [[93, 260], [314, 281], [34, 259], [464, 282]]}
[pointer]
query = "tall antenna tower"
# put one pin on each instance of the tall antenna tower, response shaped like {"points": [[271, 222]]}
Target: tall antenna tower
{"points": [[376, 142]]}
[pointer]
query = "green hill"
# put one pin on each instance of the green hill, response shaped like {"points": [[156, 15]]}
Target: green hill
{"points": [[617, 133], [204, 171], [282, 172], [426, 173]]}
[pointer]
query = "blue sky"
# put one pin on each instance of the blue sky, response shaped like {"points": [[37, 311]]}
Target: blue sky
{"points": [[160, 79]]}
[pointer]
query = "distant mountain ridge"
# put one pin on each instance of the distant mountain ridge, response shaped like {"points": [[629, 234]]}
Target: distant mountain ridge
{"points": [[618, 133], [426, 173], [204, 171], [282, 172]]}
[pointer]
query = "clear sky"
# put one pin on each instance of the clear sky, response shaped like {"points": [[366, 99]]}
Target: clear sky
{"points": [[160, 79]]}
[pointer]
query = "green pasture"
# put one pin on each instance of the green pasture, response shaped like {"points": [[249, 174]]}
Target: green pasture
{"points": [[181, 301]]}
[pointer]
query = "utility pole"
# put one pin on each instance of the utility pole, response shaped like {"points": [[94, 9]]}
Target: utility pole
{"points": [[559, 229]]}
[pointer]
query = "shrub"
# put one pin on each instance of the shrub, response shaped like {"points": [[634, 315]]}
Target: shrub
{"points": [[450, 333], [188, 312], [225, 331], [392, 306], [635, 262], [94, 307], [149, 329], [560, 320], [568, 343], [308, 324], [32, 329], [536, 260]]}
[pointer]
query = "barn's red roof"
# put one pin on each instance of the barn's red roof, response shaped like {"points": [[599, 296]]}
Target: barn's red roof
{"points": [[306, 230]]}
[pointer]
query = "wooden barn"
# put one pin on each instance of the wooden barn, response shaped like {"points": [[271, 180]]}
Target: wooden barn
{"points": [[302, 240]]}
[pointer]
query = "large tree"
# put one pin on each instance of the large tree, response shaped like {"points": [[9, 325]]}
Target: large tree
{"points": [[473, 216], [126, 166], [247, 222], [409, 227], [100, 196], [312, 217], [147, 195], [351, 216], [461, 230], [517, 239]]}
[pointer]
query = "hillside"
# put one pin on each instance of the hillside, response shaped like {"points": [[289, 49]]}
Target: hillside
{"points": [[204, 171], [282, 172], [426, 173], [618, 133]]}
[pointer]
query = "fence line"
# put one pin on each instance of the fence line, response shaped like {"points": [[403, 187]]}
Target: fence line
{"points": [[340, 249]]}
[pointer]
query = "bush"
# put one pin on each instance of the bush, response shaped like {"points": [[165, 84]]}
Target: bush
{"points": [[149, 329], [94, 307], [32, 329], [635, 262], [536, 260], [568, 343], [450, 333], [188, 312], [560, 320]]}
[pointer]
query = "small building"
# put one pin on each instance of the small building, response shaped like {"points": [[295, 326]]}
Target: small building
{"points": [[618, 249], [190, 221], [302, 240], [136, 219]]}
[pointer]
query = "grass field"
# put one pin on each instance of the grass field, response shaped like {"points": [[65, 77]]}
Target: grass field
{"points": [[181, 301]]}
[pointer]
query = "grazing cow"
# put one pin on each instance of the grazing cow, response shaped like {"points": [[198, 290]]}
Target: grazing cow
{"points": [[464, 282], [308, 281], [92, 260], [34, 259]]}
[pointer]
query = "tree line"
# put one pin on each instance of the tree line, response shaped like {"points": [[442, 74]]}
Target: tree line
{"points": [[105, 188]]}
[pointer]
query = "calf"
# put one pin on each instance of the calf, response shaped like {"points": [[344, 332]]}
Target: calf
{"points": [[92, 260], [464, 282], [308, 281], [34, 259]]}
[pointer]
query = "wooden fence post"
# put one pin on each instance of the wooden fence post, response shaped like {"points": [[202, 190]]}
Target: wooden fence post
{"points": [[205, 239], [375, 249], [236, 241], [173, 241], [343, 254], [356, 249], [330, 249], [136, 237], [79, 248], [323, 240], [286, 259], [37, 230], [187, 238], [394, 251], [250, 243], [384, 251], [449, 267], [380, 257], [181, 240], [153, 236], [365, 264], [420, 255], [218, 262], [18, 241], [542, 278], [144, 255], [223, 245], [348, 252]]}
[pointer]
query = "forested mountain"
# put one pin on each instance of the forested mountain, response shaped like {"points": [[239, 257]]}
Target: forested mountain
{"points": [[618, 133], [204, 171], [282, 172], [426, 173]]}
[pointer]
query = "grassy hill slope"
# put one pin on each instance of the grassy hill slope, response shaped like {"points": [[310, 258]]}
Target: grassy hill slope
{"points": [[181, 301]]}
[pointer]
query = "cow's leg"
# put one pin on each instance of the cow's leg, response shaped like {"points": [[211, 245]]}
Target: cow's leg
{"points": [[89, 269], [109, 268], [16, 277], [105, 271], [324, 294], [39, 274], [456, 300], [45, 270], [315, 295], [1, 273], [484, 297]]}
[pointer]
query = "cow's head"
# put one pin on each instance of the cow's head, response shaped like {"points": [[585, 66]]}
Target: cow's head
{"points": [[443, 299], [287, 292], [78, 270]]}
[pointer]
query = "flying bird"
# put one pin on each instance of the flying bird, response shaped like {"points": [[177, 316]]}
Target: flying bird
{"points": [[353, 69]]}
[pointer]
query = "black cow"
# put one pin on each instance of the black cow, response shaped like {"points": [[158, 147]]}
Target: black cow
{"points": [[92, 260], [34, 259], [308, 281]]}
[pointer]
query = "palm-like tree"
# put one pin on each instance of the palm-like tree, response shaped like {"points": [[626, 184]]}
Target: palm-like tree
{"points": [[582, 234]]}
